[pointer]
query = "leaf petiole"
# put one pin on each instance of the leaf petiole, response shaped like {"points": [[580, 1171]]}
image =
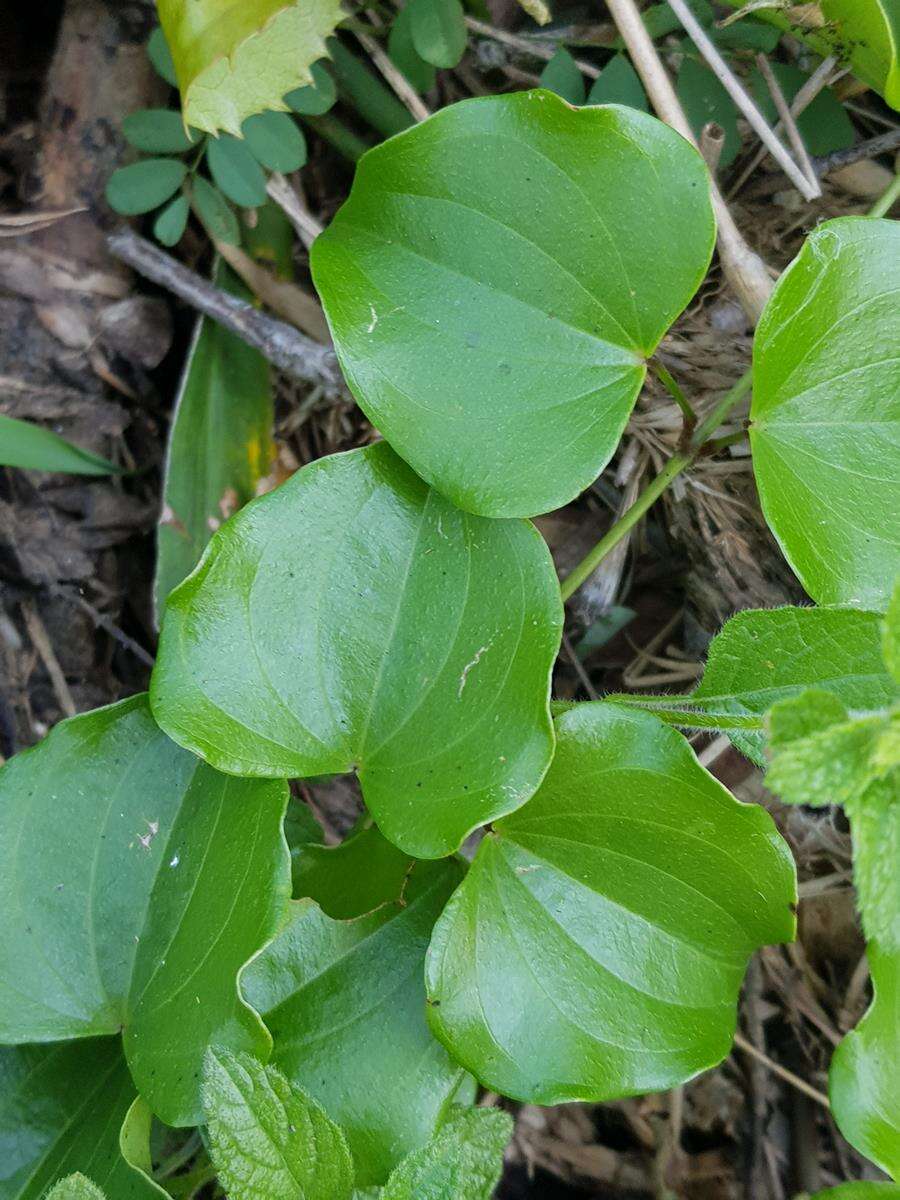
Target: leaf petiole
{"points": [[652, 492]]}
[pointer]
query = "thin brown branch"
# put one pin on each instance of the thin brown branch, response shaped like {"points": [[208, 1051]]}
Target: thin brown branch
{"points": [[283, 345]]}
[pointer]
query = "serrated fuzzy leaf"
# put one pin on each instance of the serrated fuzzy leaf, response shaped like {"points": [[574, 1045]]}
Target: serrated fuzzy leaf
{"points": [[462, 1161], [224, 404], [268, 1138], [235, 62], [235, 171], [597, 945], [144, 185], [345, 1002], [562, 76], [61, 1110], [438, 30], [34, 448], [156, 131], [214, 212], [762, 656], [120, 924], [336, 638], [275, 141], [452, 283], [619, 83], [826, 412], [862, 1082], [75, 1187]]}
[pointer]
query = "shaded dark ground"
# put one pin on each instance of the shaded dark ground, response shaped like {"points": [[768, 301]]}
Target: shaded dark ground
{"points": [[76, 562]]}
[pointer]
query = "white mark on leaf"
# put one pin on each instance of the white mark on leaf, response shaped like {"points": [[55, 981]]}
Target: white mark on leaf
{"points": [[468, 667]]}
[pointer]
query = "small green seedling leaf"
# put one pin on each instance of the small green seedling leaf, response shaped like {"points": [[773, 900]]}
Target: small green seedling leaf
{"points": [[157, 131], [235, 171], [224, 404], [75, 1187], [161, 56], [648, 880], [120, 924], [450, 283], [314, 637], [562, 76], [826, 412], [438, 30], [705, 99], [37, 449], [766, 655], [240, 60], [345, 1003], [61, 1110], [462, 1161], [404, 55], [169, 226], [618, 83], [275, 141], [144, 185], [268, 1138], [214, 212], [317, 97], [824, 124]]}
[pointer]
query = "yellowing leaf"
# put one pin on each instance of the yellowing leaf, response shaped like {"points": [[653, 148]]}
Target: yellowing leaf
{"points": [[236, 60]]}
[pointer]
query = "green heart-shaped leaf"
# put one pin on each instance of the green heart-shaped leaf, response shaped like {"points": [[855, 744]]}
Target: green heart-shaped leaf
{"points": [[492, 299], [62, 1109], [268, 1138], [825, 429], [240, 59], [598, 942], [355, 618], [136, 883], [345, 1003]]}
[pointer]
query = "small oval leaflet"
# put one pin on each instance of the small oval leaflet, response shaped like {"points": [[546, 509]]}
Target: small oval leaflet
{"points": [[825, 416], [236, 171], [355, 618], [493, 324], [144, 185], [641, 873]]}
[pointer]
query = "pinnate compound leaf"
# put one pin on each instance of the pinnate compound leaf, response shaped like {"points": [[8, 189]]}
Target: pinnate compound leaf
{"points": [[275, 141], [61, 1110], [215, 214], [345, 1003], [317, 97], [136, 883], [762, 656], [462, 1161], [235, 171], [144, 185], [225, 405], [562, 75], [169, 226], [438, 29], [364, 621], [75, 1187], [826, 412], [239, 60], [34, 448], [156, 131], [268, 1138], [493, 323], [598, 942]]}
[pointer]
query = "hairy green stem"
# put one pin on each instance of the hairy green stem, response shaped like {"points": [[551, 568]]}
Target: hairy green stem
{"points": [[655, 489]]}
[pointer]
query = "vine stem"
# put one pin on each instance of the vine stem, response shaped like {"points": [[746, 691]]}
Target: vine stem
{"points": [[655, 489]]}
